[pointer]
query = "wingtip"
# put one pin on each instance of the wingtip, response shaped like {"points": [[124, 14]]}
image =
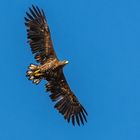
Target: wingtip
{"points": [[33, 6]]}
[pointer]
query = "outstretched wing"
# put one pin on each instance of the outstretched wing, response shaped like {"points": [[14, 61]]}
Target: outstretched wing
{"points": [[66, 102], [38, 35]]}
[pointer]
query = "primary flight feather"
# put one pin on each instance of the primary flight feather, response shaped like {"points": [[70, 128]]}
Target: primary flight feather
{"points": [[50, 68]]}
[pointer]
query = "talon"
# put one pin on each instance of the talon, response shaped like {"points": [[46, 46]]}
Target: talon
{"points": [[37, 71], [34, 74], [38, 74]]}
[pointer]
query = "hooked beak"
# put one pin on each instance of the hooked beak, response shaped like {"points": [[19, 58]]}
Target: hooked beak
{"points": [[66, 62]]}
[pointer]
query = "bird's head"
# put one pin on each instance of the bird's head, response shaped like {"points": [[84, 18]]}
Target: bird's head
{"points": [[65, 62], [62, 63]]}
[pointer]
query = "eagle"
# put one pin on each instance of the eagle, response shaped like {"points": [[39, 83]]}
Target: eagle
{"points": [[50, 68]]}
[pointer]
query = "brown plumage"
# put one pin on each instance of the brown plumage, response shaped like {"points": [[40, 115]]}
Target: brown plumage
{"points": [[50, 68]]}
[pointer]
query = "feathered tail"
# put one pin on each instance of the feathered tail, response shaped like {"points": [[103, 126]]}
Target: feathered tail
{"points": [[33, 73]]}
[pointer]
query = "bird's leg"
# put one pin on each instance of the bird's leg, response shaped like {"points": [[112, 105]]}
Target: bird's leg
{"points": [[34, 73], [38, 73]]}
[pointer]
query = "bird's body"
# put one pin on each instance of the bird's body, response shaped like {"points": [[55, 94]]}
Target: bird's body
{"points": [[50, 68], [47, 70]]}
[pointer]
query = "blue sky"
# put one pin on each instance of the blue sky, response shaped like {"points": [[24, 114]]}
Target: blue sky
{"points": [[101, 40]]}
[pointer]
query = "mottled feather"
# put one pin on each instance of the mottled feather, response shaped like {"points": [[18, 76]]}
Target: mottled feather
{"points": [[38, 35], [66, 102], [39, 38]]}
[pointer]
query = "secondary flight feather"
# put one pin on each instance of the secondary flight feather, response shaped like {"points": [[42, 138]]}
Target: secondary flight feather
{"points": [[50, 68]]}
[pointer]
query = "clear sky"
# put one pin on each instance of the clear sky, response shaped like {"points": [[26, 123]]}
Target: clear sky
{"points": [[101, 40]]}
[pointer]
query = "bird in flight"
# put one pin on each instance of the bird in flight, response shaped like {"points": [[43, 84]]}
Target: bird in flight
{"points": [[50, 68]]}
